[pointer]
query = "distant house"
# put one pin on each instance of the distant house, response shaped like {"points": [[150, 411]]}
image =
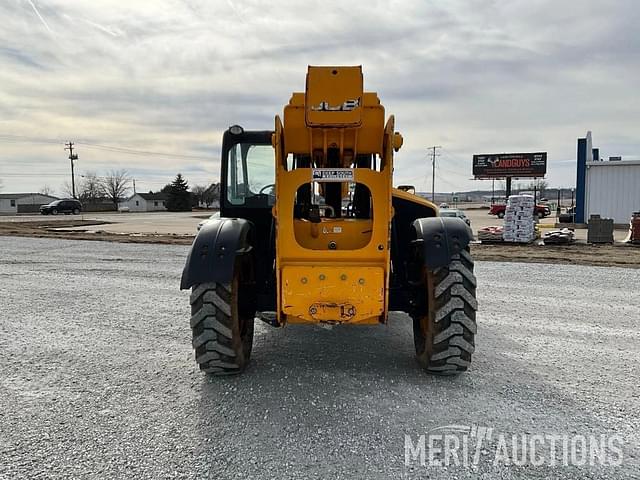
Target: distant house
{"points": [[146, 202], [212, 204], [11, 203], [98, 204]]}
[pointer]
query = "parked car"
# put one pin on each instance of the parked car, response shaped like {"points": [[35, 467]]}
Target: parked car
{"points": [[455, 213], [499, 210], [205, 221], [443, 205], [68, 205], [452, 212]]}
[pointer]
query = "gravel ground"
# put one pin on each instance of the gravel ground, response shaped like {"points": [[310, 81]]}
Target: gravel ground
{"points": [[97, 377]]}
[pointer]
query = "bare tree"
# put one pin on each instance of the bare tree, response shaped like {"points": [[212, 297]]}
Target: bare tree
{"points": [[46, 190], [90, 188], [198, 192], [540, 185], [116, 185], [212, 194], [66, 189]]}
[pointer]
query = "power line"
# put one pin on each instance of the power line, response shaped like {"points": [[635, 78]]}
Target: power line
{"points": [[148, 153], [7, 138], [40, 174], [452, 156], [446, 182], [451, 172], [25, 139]]}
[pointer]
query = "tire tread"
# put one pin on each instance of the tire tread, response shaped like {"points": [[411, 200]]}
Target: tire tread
{"points": [[212, 328], [454, 318]]}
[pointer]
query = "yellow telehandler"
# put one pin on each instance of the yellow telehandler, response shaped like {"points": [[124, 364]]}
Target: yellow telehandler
{"points": [[312, 231]]}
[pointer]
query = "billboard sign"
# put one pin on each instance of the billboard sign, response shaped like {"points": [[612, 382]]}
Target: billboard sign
{"points": [[500, 165]]}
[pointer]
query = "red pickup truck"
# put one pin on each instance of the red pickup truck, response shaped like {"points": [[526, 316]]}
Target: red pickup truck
{"points": [[499, 210]]}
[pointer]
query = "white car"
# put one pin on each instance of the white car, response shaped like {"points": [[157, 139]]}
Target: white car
{"points": [[212, 217]]}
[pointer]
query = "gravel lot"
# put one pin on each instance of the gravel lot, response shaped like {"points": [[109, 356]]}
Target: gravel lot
{"points": [[185, 223], [97, 378]]}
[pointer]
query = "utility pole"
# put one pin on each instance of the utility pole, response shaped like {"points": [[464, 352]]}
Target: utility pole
{"points": [[134, 186], [72, 158], [433, 172]]}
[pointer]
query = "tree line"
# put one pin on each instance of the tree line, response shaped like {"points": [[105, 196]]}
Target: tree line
{"points": [[92, 189], [116, 186], [180, 198]]}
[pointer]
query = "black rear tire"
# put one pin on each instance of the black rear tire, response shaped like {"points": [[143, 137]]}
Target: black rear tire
{"points": [[444, 332], [76, 211], [222, 322], [501, 215], [54, 212]]}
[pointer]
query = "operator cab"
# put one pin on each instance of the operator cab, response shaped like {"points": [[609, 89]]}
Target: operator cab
{"points": [[249, 177], [247, 191]]}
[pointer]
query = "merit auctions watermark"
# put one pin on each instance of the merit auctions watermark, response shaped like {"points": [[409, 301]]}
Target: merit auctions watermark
{"points": [[469, 446]]}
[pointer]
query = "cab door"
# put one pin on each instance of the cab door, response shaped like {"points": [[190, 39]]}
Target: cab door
{"points": [[247, 190]]}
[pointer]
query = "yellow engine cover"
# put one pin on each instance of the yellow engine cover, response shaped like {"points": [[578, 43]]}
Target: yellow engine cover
{"points": [[333, 294]]}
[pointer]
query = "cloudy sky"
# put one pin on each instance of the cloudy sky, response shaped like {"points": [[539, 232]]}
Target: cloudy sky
{"points": [[126, 79]]}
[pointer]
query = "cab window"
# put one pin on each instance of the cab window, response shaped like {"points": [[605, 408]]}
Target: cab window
{"points": [[251, 175]]}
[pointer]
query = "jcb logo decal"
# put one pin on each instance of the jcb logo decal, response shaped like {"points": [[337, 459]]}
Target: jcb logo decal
{"points": [[347, 106]]}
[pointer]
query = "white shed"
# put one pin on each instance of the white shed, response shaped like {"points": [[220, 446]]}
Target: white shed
{"points": [[613, 190], [10, 203], [147, 202]]}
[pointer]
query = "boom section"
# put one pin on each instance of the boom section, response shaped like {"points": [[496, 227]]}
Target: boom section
{"points": [[334, 164]]}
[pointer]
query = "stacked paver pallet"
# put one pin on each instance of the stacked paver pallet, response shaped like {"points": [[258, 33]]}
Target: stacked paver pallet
{"points": [[518, 219], [600, 230]]}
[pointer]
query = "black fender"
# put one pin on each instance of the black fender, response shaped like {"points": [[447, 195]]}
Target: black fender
{"points": [[440, 239], [214, 251]]}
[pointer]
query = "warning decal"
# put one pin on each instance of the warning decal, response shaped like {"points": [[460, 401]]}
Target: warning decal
{"points": [[332, 175]]}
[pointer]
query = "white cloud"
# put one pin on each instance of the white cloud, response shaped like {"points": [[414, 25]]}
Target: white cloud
{"points": [[472, 76]]}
